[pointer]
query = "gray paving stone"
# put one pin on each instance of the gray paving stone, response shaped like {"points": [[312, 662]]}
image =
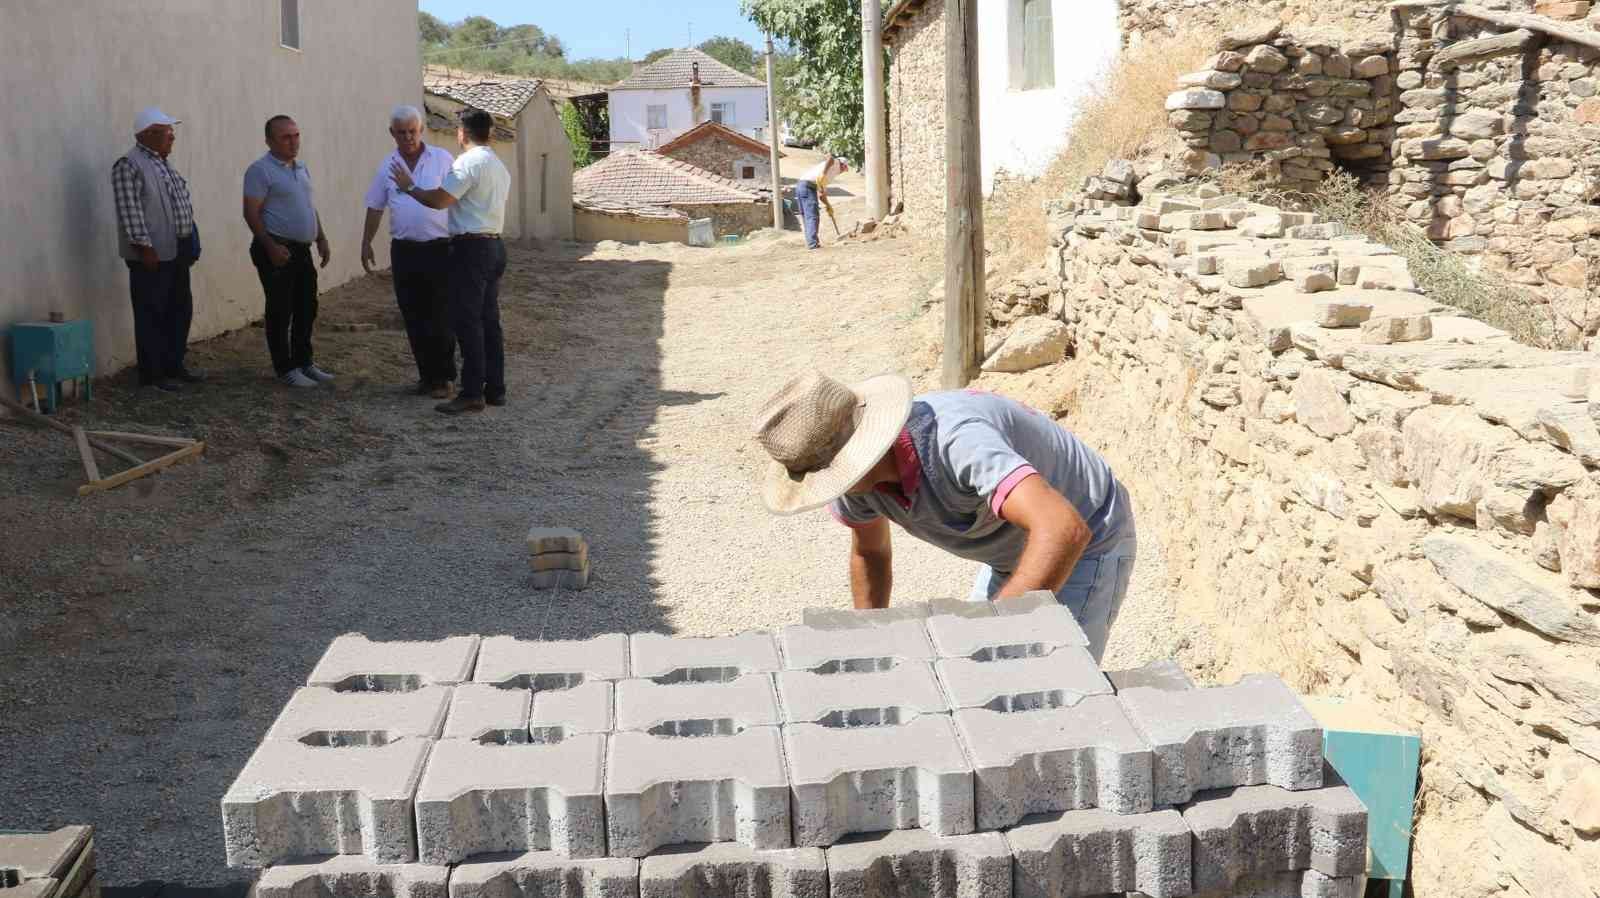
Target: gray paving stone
{"points": [[868, 779], [888, 697], [915, 862], [854, 651], [43, 855], [320, 716], [1061, 759], [1064, 677], [697, 709], [544, 874], [485, 713], [479, 798], [731, 870], [353, 877], [1095, 852], [354, 663], [668, 791], [1168, 675], [1298, 884], [585, 708], [554, 664], [853, 618], [34, 888], [1254, 831], [712, 659], [293, 800], [1012, 633], [1253, 732]]}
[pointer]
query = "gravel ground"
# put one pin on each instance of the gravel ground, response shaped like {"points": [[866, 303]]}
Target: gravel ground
{"points": [[148, 636]]}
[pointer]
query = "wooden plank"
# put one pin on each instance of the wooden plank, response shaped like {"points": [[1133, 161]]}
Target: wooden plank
{"points": [[175, 442], [1540, 24], [146, 469], [90, 469], [52, 423], [1466, 52], [963, 223]]}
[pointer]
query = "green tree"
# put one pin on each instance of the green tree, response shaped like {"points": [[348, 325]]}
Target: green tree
{"points": [[573, 125], [430, 30], [654, 55], [824, 101], [731, 51], [475, 31]]}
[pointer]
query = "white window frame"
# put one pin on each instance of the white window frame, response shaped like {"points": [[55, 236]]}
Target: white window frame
{"points": [[650, 117], [289, 15], [723, 113]]}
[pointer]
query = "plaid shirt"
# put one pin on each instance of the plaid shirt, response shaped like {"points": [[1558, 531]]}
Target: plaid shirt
{"points": [[128, 185]]}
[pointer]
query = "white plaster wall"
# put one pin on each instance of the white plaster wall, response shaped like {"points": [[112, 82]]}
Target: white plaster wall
{"points": [[629, 112], [77, 72], [1021, 131]]}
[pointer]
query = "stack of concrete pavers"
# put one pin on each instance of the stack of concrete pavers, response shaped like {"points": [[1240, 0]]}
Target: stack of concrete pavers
{"points": [[559, 558], [939, 749], [58, 864]]}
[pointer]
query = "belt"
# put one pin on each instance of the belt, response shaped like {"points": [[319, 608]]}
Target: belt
{"points": [[287, 242], [457, 237], [434, 241]]}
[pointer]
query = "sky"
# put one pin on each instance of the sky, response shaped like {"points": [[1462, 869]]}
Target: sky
{"points": [[600, 28]]}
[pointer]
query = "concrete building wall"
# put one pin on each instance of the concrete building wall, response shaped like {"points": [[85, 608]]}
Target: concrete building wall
{"points": [[77, 73], [592, 227], [629, 113], [730, 219]]}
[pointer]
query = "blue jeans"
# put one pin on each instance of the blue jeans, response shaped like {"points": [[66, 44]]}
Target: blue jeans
{"points": [[805, 193], [1093, 593]]}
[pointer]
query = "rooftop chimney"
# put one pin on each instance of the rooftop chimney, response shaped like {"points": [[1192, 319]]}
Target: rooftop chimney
{"points": [[694, 73]]}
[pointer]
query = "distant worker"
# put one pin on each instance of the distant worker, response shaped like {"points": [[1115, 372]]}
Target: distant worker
{"points": [[976, 474], [160, 242], [279, 209], [419, 250], [475, 193], [813, 187]]}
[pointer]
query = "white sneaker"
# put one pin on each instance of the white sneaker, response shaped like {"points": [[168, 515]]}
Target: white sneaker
{"points": [[317, 374], [296, 379]]}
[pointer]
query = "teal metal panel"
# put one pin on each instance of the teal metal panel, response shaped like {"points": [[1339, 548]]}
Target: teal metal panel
{"points": [[1381, 768]]}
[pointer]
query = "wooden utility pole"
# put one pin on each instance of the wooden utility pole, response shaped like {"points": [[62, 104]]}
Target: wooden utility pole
{"points": [[963, 210], [772, 137], [877, 169]]}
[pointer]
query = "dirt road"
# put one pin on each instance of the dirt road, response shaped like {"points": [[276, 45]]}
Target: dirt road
{"points": [[149, 635]]}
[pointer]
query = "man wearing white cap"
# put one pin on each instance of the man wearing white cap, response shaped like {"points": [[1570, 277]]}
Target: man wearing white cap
{"points": [[159, 242], [977, 474]]}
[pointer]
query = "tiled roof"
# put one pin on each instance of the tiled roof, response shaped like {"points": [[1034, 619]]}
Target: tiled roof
{"points": [[710, 129], [560, 88], [505, 99], [439, 121], [636, 210], [676, 68], [642, 177]]}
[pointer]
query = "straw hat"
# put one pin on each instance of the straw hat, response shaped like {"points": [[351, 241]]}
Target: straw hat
{"points": [[824, 436]]}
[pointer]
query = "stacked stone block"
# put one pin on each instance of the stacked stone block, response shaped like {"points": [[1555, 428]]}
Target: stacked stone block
{"points": [[559, 557], [942, 750]]}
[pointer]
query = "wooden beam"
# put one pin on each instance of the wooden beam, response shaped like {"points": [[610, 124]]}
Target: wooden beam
{"points": [[52, 423], [963, 223], [90, 469], [1467, 52], [175, 442], [144, 470], [1540, 24]]}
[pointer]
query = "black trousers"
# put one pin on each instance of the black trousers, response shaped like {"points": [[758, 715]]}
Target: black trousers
{"points": [[291, 303], [476, 266], [163, 308], [422, 289]]}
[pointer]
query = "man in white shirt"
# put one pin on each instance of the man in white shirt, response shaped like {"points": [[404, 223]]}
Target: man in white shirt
{"points": [[813, 188], [475, 193], [419, 251]]}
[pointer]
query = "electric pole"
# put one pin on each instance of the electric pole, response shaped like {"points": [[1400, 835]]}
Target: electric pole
{"points": [[963, 215], [877, 169], [772, 137]]}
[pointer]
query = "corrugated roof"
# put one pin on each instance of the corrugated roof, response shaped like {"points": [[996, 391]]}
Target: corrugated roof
{"points": [[710, 129], [677, 68], [645, 178], [505, 99]]}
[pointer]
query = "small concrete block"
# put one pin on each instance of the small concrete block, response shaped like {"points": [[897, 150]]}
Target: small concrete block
{"points": [[884, 698], [850, 618], [321, 717], [1315, 282], [555, 539], [868, 779], [292, 800], [560, 579], [1060, 679], [1253, 732], [46, 855], [544, 874], [666, 791], [714, 659], [1251, 271], [1060, 759], [1024, 627], [1296, 884], [528, 664], [478, 798], [697, 709], [489, 714], [915, 862], [354, 663], [560, 561], [1259, 830], [585, 708], [1094, 852], [35, 888], [731, 870], [353, 877], [853, 651], [1168, 675], [1333, 313]]}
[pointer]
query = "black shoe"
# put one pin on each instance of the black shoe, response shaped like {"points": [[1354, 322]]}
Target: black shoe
{"points": [[164, 386], [495, 400], [459, 405], [191, 375], [423, 388]]}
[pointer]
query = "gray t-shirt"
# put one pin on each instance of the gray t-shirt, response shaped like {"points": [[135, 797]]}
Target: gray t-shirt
{"points": [[285, 191], [960, 455]]}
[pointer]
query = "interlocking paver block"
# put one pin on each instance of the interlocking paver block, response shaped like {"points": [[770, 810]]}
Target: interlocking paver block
{"points": [[293, 800], [1064, 677], [1094, 852], [1253, 732], [1011, 633], [354, 663], [585, 708], [854, 618], [1168, 675], [854, 651], [544, 874], [892, 696], [557, 664], [1060, 759], [917, 862], [697, 709], [43, 855], [666, 791], [1260, 830], [478, 798], [542, 540], [712, 659], [353, 877], [731, 870], [1298, 884], [868, 779], [482, 712], [316, 715]]}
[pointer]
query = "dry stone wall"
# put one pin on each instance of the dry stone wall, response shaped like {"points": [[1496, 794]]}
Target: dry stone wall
{"points": [[916, 118]]}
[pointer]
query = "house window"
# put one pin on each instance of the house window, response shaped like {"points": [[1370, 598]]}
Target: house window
{"points": [[544, 181], [656, 118], [747, 172], [1038, 45], [290, 22], [722, 113]]}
